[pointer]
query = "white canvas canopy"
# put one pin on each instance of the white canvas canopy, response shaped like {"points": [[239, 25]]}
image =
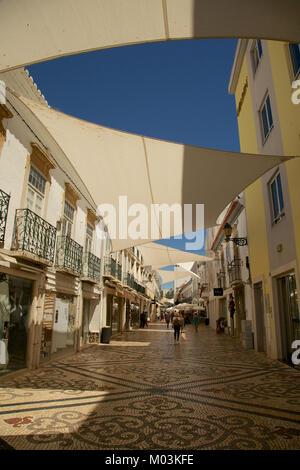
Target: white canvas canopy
{"points": [[159, 256], [46, 29], [168, 276], [111, 163]]}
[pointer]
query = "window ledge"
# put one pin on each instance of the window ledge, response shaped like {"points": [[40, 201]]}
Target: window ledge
{"points": [[278, 219], [266, 138]]}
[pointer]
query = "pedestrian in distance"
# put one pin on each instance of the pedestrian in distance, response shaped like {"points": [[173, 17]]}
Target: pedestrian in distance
{"points": [[196, 321], [167, 318], [176, 326], [231, 308], [142, 320], [147, 320]]}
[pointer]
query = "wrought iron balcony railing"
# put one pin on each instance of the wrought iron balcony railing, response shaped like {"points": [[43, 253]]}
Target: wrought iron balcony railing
{"points": [[92, 266], [4, 202], [141, 289], [34, 235], [234, 270], [69, 254], [112, 268], [129, 281]]}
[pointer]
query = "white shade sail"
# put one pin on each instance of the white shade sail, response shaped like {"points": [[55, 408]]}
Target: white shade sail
{"points": [[46, 29], [112, 163], [168, 276], [159, 256]]}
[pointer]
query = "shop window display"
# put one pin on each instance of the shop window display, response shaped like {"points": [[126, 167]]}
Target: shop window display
{"points": [[15, 302]]}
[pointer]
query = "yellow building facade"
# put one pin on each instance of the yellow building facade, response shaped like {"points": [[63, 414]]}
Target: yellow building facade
{"points": [[269, 123]]}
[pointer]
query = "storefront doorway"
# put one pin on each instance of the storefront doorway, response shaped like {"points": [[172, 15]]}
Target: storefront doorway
{"points": [[289, 313], [15, 303], [260, 317], [63, 334], [86, 321], [113, 313]]}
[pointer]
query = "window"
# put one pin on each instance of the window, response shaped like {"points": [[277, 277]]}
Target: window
{"points": [[294, 49], [256, 53], [35, 191], [277, 201], [266, 118], [89, 238], [228, 254], [68, 219]]}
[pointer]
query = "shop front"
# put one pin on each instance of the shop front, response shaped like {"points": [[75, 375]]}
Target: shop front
{"points": [[63, 332], [86, 320], [59, 316], [113, 313], [135, 314], [15, 304]]}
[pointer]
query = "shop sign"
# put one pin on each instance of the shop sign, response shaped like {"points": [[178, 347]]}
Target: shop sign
{"points": [[218, 291]]}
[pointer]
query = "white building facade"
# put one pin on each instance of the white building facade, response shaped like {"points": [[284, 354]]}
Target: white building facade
{"points": [[59, 283]]}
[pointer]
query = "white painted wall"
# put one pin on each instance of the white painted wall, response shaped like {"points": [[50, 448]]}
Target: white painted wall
{"points": [[12, 170]]}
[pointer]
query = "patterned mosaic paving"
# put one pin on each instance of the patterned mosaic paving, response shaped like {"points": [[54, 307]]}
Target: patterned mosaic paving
{"points": [[143, 391]]}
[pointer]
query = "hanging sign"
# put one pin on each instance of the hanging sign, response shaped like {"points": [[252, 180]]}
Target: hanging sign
{"points": [[218, 291]]}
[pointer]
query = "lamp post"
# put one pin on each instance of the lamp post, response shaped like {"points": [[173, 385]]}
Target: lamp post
{"points": [[242, 241]]}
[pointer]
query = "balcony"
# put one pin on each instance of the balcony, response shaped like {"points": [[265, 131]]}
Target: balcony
{"points": [[91, 267], [234, 271], [133, 284], [113, 269], [221, 279], [4, 202], [33, 237], [69, 255]]}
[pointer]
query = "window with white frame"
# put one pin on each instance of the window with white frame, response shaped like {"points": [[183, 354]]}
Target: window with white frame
{"points": [[107, 244], [68, 219], [266, 118], [256, 53], [276, 197], [294, 49], [89, 237], [36, 191]]}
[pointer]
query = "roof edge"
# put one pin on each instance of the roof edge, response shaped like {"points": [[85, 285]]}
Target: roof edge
{"points": [[237, 64]]}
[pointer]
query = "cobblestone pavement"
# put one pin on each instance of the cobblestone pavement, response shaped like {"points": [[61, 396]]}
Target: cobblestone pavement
{"points": [[143, 391]]}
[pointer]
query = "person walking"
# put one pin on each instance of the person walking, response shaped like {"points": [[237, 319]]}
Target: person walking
{"points": [[231, 308], [176, 326], [196, 321], [167, 318], [181, 323], [142, 320]]}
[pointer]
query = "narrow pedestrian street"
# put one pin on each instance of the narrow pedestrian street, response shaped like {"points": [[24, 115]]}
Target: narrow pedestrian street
{"points": [[143, 391]]}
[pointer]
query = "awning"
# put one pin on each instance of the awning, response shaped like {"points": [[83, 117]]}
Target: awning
{"points": [[159, 256], [37, 30], [168, 276], [112, 163]]}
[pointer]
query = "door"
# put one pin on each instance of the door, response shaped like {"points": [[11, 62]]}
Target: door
{"points": [[63, 334], [260, 317], [289, 313], [15, 302], [60, 325], [115, 315], [86, 320]]}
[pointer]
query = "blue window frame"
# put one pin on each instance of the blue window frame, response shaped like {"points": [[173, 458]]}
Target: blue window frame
{"points": [[256, 53], [277, 198], [295, 58], [266, 117]]}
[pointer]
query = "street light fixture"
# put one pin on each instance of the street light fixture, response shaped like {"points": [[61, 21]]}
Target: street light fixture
{"points": [[242, 241]]}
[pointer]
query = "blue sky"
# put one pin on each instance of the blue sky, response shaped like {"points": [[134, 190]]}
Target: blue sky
{"points": [[176, 91]]}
